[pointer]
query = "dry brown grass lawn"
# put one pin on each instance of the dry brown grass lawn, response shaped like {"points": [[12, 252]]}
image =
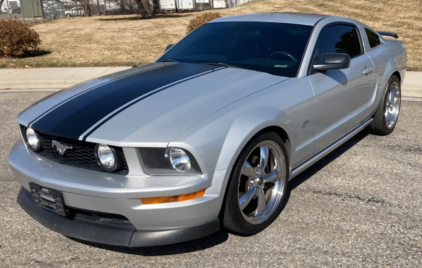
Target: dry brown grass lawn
{"points": [[128, 40]]}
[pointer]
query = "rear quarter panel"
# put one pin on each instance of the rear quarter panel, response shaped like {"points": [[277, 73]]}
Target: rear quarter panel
{"points": [[388, 57]]}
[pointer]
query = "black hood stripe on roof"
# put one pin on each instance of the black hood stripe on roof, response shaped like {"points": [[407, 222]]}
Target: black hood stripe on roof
{"points": [[78, 115]]}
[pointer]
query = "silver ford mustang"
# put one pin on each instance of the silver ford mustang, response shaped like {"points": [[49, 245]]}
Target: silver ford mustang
{"points": [[209, 135]]}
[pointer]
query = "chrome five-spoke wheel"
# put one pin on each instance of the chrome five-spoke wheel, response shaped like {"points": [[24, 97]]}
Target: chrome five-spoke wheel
{"points": [[392, 105], [258, 185], [261, 184], [388, 111]]}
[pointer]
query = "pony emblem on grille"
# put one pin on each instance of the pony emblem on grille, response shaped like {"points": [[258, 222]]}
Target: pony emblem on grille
{"points": [[61, 147]]}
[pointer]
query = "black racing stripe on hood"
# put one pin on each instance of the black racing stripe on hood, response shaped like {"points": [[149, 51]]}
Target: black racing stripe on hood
{"points": [[75, 117], [80, 93]]}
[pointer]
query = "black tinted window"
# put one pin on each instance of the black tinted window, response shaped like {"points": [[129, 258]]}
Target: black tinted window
{"points": [[373, 38], [275, 48], [338, 39]]}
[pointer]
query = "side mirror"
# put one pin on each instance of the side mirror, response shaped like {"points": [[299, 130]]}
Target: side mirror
{"points": [[168, 47], [332, 61]]}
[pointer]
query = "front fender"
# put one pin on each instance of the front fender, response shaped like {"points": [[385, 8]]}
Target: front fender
{"points": [[245, 127], [217, 140]]}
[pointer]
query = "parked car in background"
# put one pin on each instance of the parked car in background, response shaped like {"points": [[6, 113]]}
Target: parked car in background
{"points": [[74, 11], [209, 135]]}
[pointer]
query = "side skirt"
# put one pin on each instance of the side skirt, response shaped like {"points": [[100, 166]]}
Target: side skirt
{"points": [[299, 169]]}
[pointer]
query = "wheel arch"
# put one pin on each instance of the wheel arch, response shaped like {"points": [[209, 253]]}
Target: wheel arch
{"points": [[280, 131], [253, 123], [282, 134], [390, 70], [397, 73]]}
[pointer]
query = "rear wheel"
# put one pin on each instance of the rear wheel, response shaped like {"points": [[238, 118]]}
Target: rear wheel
{"points": [[387, 115], [257, 186]]}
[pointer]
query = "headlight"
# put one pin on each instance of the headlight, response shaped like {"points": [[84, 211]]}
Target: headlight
{"points": [[32, 139], [178, 159], [107, 158], [168, 161]]}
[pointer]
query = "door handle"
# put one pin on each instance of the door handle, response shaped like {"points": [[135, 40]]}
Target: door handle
{"points": [[367, 70]]}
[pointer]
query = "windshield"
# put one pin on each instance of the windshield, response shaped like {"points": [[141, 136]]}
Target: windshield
{"points": [[275, 48]]}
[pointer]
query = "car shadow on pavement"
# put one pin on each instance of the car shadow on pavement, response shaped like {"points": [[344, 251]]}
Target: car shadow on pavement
{"points": [[179, 248], [310, 171]]}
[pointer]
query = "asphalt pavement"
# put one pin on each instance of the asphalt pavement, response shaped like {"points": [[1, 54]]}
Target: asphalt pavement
{"points": [[359, 206]]}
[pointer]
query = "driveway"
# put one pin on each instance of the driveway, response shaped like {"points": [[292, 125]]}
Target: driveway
{"points": [[359, 206]]}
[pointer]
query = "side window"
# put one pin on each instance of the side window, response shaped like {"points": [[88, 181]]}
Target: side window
{"points": [[373, 38], [338, 39]]}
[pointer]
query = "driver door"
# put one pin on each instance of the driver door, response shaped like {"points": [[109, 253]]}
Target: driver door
{"points": [[341, 96]]}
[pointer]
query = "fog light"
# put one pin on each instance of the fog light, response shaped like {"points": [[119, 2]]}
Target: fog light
{"points": [[32, 139], [106, 157], [172, 198]]}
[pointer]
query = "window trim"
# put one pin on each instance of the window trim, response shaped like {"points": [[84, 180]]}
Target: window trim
{"points": [[362, 48], [367, 37], [307, 46]]}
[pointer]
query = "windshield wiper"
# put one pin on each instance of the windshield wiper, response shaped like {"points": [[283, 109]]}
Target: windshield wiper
{"points": [[223, 65]]}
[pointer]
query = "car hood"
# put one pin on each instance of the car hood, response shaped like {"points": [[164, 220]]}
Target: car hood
{"points": [[144, 106]]}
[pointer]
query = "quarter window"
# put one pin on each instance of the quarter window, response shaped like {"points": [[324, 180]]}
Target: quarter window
{"points": [[373, 38], [338, 39]]}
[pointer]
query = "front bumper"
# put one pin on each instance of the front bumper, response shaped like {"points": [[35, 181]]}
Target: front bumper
{"points": [[121, 194], [108, 232]]}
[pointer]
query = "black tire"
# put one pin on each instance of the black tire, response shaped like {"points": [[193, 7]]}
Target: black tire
{"points": [[233, 218], [379, 125]]}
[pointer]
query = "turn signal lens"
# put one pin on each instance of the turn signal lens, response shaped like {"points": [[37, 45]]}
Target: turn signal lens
{"points": [[173, 198]]}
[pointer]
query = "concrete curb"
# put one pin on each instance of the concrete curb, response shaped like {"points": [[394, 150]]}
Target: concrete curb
{"points": [[54, 79]]}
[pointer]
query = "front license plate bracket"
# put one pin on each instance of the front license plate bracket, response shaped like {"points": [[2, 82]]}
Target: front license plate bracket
{"points": [[48, 198]]}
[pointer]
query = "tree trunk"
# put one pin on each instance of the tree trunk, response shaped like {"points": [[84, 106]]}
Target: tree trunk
{"points": [[122, 6], [98, 7], [156, 7], [142, 10], [148, 8], [88, 7], [1, 3]]}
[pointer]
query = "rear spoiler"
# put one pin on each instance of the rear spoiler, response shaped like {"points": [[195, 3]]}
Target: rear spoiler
{"points": [[389, 34]]}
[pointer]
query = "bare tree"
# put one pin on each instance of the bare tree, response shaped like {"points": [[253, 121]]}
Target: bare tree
{"points": [[98, 7], [85, 6], [155, 6], [144, 8], [130, 6], [1, 3]]}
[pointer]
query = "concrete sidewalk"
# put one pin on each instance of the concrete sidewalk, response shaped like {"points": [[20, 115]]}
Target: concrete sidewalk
{"points": [[50, 79], [53, 79]]}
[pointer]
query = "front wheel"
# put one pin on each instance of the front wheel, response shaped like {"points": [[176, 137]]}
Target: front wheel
{"points": [[387, 114], [258, 185]]}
